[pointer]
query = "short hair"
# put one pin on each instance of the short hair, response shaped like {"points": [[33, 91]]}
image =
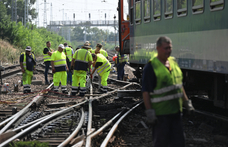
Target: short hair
{"points": [[65, 44], [47, 42], [117, 47], [94, 55], [99, 45], [163, 39], [77, 48]]}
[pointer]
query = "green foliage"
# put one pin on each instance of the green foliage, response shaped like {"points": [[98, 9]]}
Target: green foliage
{"points": [[21, 36], [28, 144]]}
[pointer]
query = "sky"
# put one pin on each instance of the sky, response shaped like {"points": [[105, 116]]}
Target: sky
{"points": [[81, 8]]}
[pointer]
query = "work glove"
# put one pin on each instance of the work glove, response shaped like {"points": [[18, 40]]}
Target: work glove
{"points": [[53, 70], [188, 105], [151, 116]]}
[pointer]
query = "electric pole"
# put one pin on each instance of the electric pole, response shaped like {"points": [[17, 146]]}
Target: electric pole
{"points": [[14, 10], [45, 14], [26, 12], [37, 11]]}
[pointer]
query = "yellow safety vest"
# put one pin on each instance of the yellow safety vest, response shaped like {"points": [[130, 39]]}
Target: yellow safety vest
{"points": [[46, 57], [105, 66], [81, 59], [69, 53], [167, 95], [103, 52], [24, 61], [59, 59]]}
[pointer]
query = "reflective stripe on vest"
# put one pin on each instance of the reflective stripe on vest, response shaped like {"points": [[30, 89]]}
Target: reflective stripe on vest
{"points": [[69, 53], [24, 60], [165, 77], [124, 59], [105, 66], [60, 59], [81, 60], [46, 57]]}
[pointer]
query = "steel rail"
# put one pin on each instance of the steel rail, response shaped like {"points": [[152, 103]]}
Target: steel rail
{"points": [[66, 142], [89, 126], [105, 126], [111, 132], [23, 111], [40, 122]]}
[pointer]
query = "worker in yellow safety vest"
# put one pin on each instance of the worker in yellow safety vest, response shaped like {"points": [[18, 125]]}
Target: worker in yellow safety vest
{"points": [[120, 61], [47, 52], [82, 60], [102, 66], [90, 48], [59, 68], [27, 64], [99, 49], [69, 55]]}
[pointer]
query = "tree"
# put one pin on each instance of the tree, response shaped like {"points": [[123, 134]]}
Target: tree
{"points": [[20, 9]]}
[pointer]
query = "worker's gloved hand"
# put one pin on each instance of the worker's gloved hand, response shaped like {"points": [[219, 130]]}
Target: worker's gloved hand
{"points": [[53, 70], [151, 116], [188, 105], [90, 70]]}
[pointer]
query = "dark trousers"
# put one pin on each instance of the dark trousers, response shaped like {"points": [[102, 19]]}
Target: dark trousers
{"points": [[69, 74], [168, 132], [120, 71], [47, 65]]}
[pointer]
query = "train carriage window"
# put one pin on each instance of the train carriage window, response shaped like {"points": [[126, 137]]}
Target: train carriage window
{"points": [[197, 6], [216, 5], [137, 11], [157, 10], [168, 9], [131, 12], [146, 10], [181, 8]]}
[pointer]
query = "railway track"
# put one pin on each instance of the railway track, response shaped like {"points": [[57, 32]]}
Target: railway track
{"points": [[113, 119]]}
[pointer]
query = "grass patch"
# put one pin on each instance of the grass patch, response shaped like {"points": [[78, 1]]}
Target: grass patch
{"points": [[8, 54], [29, 144]]}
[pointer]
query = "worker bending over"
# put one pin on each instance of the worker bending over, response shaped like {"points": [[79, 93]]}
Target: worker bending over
{"points": [[102, 66]]}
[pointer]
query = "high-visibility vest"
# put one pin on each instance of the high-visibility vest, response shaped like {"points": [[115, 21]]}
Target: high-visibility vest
{"points": [[46, 57], [105, 66], [81, 59], [103, 52], [60, 59], [167, 95], [124, 59], [69, 53], [24, 61]]}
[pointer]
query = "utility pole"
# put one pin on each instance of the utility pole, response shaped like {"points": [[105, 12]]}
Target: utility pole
{"points": [[26, 12], [45, 14], [14, 10], [115, 27], [37, 11], [51, 14]]}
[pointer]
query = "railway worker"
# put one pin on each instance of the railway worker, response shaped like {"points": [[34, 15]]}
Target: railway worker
{"points": [[99, 49], [90, 49], [69, 55], [59, 68], [163, 94], [103, 67], [27, 63], [82, 60], [47, 52], [121, 60]]}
